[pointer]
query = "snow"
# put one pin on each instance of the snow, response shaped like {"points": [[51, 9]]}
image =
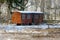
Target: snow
{"points": [[28, 11], [15, 27], [54, 26]]}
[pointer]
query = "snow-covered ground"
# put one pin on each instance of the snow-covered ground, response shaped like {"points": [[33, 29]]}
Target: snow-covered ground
{"points": [[15, 27]]}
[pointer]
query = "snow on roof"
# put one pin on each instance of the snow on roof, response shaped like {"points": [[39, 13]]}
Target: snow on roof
{"points": [[28, 11]]}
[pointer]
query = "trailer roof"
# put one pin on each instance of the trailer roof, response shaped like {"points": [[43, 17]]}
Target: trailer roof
{"points": [[28, 11]]}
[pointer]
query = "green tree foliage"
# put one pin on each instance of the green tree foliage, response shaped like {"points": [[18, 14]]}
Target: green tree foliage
{"points": [[18, 3], [1, 1]]}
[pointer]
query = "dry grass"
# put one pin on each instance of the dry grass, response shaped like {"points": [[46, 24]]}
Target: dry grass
{"points": [[51, 33]]}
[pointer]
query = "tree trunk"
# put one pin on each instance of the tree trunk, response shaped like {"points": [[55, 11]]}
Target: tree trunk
{"points": [[5, 12]]}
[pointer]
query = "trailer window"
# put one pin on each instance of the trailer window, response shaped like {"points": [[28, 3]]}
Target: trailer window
{"points": [[28, 16], [36, 16], [23, 16]]}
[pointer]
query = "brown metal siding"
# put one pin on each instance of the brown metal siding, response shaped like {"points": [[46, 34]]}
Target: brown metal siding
{"points": [[16, 18], [26, 18], [41, 18]]}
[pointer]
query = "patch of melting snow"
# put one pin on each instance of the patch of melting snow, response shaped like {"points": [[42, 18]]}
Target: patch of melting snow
{"points": [[43, 26], [14, 27], [54, 26]]}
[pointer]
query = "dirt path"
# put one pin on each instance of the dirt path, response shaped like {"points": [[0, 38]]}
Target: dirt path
{"points": [[25, 37]]}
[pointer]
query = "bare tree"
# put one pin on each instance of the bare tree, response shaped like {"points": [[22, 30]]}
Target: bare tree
{"points": [[6, 8]]}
